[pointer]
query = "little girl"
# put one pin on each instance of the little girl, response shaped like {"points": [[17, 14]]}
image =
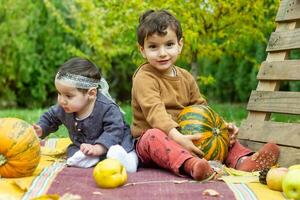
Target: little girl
{"points": [[95, 123]]}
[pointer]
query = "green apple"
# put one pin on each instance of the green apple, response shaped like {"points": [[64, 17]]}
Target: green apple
{"points": [[274, 178], [291, 184], [294, 167], [110, 173]]}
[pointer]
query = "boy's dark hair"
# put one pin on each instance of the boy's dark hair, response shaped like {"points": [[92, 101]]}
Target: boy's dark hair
{"points": [[157, 22], [80, 66]]}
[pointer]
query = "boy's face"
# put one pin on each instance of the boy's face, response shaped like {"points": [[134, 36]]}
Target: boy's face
{"points": [[161, 51], [72, 100]]}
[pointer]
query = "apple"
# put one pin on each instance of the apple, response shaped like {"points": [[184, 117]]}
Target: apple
{"points": [[294, 167], [274, 178], [110, 173], [291, 184]]}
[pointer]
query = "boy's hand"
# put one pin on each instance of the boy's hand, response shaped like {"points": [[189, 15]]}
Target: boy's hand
{"points": [[93, 150], [186, 141], [233, 132], [38, 130]]}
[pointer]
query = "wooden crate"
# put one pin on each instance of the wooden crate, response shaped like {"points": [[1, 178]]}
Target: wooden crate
{"points": [[258, 128]]}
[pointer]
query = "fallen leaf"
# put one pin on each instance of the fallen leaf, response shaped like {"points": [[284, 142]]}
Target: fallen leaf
{"points": [[20, 185], [98, 193], [47, 197], [69, 196], [210, 192]]}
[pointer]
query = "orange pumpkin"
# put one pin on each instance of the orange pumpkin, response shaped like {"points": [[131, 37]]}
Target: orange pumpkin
{"points": [[19, 148]]}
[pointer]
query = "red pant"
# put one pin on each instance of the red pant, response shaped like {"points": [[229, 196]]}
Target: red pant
{"points": [[154, 147]]}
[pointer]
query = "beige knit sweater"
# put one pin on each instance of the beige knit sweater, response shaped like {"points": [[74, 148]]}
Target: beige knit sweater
{"points": [[157, 99]]}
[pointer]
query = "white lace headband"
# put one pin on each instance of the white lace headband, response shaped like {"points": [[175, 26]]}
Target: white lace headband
{"points": [[77, 80], [86, 83]]}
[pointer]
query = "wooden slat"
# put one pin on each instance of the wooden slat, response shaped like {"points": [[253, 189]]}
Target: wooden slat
{"points": [[284, 40], [288, 10], [280, 70], [256, 130], [274, 102], [288, 155], [272, 85], [287, 134]]}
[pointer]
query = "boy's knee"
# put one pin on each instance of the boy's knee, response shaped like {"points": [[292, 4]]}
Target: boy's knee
{"points": [[154, 132], [149, 138]]}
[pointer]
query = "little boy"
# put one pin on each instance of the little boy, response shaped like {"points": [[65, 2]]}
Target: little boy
{"points": [[160, 91]]}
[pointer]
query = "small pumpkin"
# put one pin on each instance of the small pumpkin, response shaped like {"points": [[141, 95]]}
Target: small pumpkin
{"points": [[200, 119], [19, 148]]}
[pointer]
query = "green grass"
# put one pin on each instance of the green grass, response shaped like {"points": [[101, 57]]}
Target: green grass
{"points": [[31, 116], [238, 112], [230, 112]]}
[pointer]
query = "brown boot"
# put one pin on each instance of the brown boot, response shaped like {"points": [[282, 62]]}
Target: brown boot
{"points": [[266, 157], [199, 169]]}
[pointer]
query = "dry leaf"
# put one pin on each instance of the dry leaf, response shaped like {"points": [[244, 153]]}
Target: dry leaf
{"points": [[98, 193], [69, 196], [47, 197], [210, 192], [20, 185]]}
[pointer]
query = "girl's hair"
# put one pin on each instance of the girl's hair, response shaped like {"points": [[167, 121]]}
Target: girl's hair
{"points": [[82, 67], [157, 22]]}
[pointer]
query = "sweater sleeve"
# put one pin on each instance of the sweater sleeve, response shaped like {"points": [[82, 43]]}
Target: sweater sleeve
{"points": [[113, 128], [195, 95], [147, 92], [49, 121]]}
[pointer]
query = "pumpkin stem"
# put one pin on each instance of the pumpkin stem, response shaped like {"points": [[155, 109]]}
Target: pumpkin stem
{"points": [[216, 131], [2, 159]]}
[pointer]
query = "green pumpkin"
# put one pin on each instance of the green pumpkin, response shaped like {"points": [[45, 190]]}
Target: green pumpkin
{"points": [[200, 119]]}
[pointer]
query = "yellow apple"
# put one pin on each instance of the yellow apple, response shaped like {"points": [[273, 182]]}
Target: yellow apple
{"points": [[294, 167], [291, 184], [274, 178], [110, 173]]}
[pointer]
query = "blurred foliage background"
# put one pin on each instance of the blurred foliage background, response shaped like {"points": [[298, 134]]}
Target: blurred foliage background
{"points": [[224, 44]]}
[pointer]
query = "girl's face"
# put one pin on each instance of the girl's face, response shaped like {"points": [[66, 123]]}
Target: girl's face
{"points": [[72, 100], [161, 51]]}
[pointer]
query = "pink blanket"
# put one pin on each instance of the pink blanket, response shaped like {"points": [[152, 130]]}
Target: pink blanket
{"points": [[145, 184]]}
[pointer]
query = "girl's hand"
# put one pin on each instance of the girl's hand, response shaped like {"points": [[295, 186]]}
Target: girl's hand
{"points": [[93, 150], [38, 130], [186, 141], [233, 132]]}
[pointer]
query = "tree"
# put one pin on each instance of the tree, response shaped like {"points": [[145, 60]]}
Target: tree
{"points": [[221, 38], [30, 52], [212, 29]]}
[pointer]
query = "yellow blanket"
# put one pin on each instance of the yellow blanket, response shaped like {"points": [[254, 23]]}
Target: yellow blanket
{"points": [[15, 188], [245, 185]]}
